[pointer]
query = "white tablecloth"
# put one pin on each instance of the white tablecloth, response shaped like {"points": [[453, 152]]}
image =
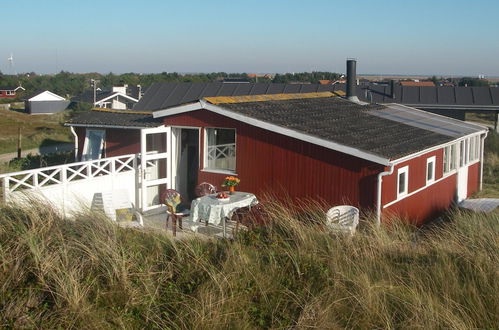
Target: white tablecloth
{"points": [[209, 208]]}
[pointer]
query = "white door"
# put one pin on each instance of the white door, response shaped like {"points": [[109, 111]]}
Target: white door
{"points": [[155, 167], [462, 183]]}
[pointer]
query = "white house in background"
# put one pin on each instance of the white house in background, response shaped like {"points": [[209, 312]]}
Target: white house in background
{"points": [[45, 102], [117, 99]]}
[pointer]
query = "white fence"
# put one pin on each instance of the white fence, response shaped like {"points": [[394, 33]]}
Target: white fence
{"points": [[69, 187]]}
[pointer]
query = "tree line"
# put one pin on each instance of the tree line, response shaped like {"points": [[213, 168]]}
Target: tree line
{"points": [[69, 84]]}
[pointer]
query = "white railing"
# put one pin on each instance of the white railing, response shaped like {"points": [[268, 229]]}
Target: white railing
{"points": [[64, 175], [221, 151]]}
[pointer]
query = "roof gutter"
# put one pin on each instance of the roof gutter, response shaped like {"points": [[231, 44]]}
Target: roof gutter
{"points": [[76, 142], [378, 196], [107, 126]]}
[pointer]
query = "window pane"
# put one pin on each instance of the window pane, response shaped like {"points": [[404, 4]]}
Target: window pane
{"points": [[461, 153], [155, 143], [401, 182], [452, 157], [221, 149], [446, 159], [94, 144]]}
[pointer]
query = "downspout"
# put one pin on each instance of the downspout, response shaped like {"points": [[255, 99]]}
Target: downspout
{"points": [[380, 183], [482, 147], [76, 142]]}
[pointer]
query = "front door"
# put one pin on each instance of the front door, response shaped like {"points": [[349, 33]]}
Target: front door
{"points": [[154, 166], [185, 161]]}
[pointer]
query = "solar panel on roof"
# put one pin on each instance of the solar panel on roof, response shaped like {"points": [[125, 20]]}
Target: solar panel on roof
{"points": [[428, 95], [410, 95], [481, 95], [446, 95], [463, 96]]}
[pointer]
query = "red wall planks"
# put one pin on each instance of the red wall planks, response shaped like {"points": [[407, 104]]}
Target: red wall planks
{"points": [[122, 141], [426, 204], [473, 178], [417, 175], [268, 162]]}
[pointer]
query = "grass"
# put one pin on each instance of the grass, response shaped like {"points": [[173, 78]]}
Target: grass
{"points": [[86, 272], [490, 167], [35, 129], [37, 161], [481, 118]]}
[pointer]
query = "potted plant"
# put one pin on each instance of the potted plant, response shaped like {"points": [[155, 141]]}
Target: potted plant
{"points": [[231, 182]]}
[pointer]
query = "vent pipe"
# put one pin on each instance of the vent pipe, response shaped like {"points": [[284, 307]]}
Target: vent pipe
{"points": [[392, 89], [352, 79]]}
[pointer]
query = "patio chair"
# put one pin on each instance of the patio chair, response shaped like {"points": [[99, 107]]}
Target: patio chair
{"points": [[343, 218], [117, 206], [172, 199], [204, 189]]}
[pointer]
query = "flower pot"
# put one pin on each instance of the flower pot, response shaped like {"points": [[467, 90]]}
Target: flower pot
{"points": [[232, 189]]}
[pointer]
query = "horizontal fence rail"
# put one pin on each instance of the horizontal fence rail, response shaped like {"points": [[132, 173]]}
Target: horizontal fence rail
{"points": [[64, 174]]}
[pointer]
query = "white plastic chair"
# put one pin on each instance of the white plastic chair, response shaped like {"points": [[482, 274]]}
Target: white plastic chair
{"points": [[343, 218], [116, 204]]}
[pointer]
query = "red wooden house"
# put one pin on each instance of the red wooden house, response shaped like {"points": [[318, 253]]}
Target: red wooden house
{"points": [[390, 159], [8, 92]]}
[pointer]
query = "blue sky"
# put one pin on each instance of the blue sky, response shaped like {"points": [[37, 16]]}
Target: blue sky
{"points": [[441, 37]]}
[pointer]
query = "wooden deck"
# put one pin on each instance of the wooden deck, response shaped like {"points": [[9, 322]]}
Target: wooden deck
{"points": [[480, 204], [158, 222]]}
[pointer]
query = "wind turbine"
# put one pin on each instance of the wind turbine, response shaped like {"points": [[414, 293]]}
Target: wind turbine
{"points": [[11, 64]]}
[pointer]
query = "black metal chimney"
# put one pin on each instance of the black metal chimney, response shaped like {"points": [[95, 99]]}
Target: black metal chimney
{"points": [[392, 89], [351, 79]]}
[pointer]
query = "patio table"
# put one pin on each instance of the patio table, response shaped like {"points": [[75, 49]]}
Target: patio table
{"points": [[214, 211]]}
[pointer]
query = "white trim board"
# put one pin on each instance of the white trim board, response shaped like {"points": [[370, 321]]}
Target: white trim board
{"points": [[46, 96], [114, 95], [106, 126], [271, 127]]}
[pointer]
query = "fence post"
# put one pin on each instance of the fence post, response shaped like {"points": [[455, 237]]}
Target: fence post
{"points": [[5, 188], [35, 179]]}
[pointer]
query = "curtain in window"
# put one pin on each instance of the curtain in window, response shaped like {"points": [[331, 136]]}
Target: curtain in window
{"points": [[94, 143]]}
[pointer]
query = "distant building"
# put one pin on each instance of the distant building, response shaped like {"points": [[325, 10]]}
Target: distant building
{"points": [[119, 97], [8, 92], [45, 102], [417, 83]]}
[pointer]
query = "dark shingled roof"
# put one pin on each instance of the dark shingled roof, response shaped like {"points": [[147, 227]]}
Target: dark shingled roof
{"points": [[97, 118], [7, 88], [344, 122], [165, 95]]}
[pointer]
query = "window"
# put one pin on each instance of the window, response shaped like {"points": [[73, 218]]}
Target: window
{"points": [[461, 153], [220, 149], [430, 170], [469, 150], [94, 144], [477, 147], [10, 93], [402, 181], [449, 158]]}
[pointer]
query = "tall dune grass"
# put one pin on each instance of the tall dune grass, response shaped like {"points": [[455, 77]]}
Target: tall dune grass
{"points": [[88, 273]]}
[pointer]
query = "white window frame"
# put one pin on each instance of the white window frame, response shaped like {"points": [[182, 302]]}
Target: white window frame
{"points": [[84, 155], [403, 170], [205, 148], [10, 93], [432, 161]]}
